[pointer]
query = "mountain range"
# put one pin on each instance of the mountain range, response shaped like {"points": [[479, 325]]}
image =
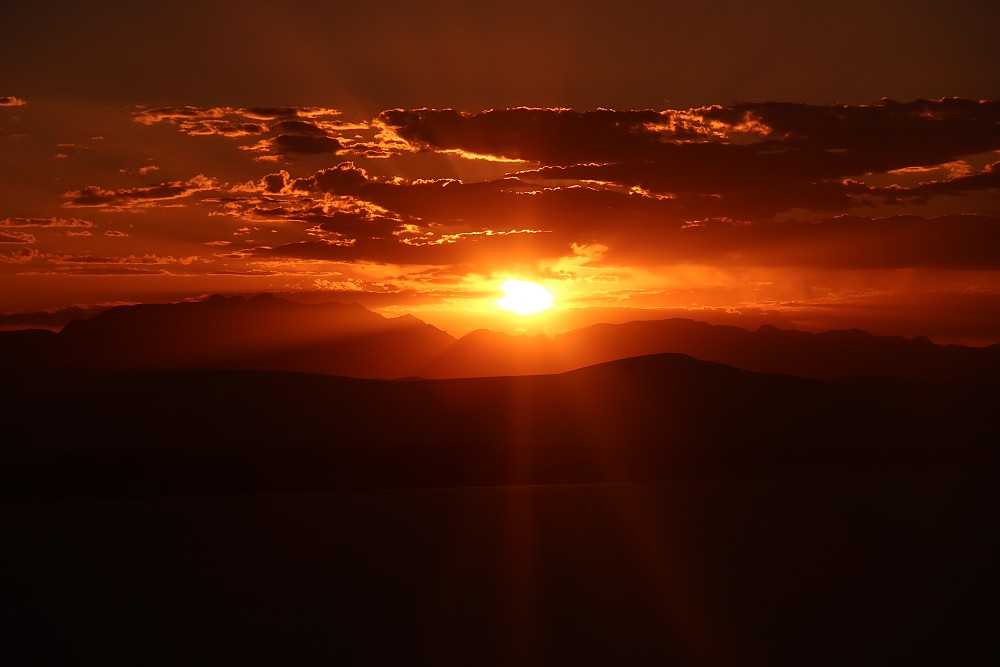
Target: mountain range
{"points": [[258, 481], [270, 333]]}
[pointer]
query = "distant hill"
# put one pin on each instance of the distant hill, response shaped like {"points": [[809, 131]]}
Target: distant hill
{"points": [[261, 333], [262, 517], [830, 354], [270, 333], [82, 433]]}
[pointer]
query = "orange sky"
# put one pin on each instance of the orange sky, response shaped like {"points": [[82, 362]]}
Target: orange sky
{"points": [[808, 168]]}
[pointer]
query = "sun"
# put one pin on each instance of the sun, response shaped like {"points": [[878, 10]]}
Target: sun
{"points": [[524, 297]]}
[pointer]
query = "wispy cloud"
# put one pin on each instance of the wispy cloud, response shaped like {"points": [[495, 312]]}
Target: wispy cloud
{"points": [[48, 223], [140, 197], [14, 237]]}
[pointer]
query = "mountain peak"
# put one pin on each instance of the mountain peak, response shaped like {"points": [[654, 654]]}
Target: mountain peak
{"points": [[265, 331]]}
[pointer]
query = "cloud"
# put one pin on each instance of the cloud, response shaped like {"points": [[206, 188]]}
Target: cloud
{"points": [[16, 237], [756, 184], [8, 101], [96, 265], [281, 131], [142, 171], [103, 271], [344, 177], [854, 136], [347, 215], [485, 250], [141, 197], [551, 136], [20, 256], [779, 150], [196, 121], [960, 183], [285, 144], [48, 223]]}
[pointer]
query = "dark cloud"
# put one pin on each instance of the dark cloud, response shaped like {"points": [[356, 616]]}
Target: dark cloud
{"points": [[911, 129], [126, 198], [987, 179], [275, 183], [754, 159], [356, 217], [282, 131], [273, 113], [8, 101], [145, 260], [730, 186], [19, 256], [16, 238], [552, 136], [298, 127], [838, 140], [342, 178], [307, 144]]}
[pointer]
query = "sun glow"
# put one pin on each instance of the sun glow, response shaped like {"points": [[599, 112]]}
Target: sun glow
{"points": [[524, 297]]}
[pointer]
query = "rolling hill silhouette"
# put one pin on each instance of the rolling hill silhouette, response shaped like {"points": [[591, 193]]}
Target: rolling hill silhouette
{"points": [[643, 419], [269, 333], [655, 509], [829, 354]]}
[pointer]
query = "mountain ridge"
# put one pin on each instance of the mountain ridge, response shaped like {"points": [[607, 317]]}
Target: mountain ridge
{"points": [[266, 332]]}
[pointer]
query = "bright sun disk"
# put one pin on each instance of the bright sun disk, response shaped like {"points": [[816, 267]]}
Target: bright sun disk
{"points": [[524, 297]]}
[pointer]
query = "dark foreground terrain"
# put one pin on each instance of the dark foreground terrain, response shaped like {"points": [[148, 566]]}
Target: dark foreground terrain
{"points": [[655, 510]]}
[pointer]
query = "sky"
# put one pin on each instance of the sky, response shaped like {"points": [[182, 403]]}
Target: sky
{"points": [[809, 165]]}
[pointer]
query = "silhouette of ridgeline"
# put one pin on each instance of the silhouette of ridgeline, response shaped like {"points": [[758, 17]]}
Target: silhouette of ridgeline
{"points": [[831, 354], [650, 510], [269, 333], [307, 519], [261, 333], [83, 433]]}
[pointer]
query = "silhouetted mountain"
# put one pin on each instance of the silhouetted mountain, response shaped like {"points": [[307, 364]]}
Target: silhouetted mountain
{"points": [[485, 353], [639, 419], [269, 333], [54, 319], [830, 354], [651, 510], [261, 333]]}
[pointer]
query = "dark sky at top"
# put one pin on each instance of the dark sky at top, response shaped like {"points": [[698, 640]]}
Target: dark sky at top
{"points": [[376, 55]]}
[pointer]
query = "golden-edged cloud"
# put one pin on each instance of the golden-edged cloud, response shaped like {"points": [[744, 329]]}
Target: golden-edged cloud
{"points": [[757, 185], [93, 196], [280, 132]]}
